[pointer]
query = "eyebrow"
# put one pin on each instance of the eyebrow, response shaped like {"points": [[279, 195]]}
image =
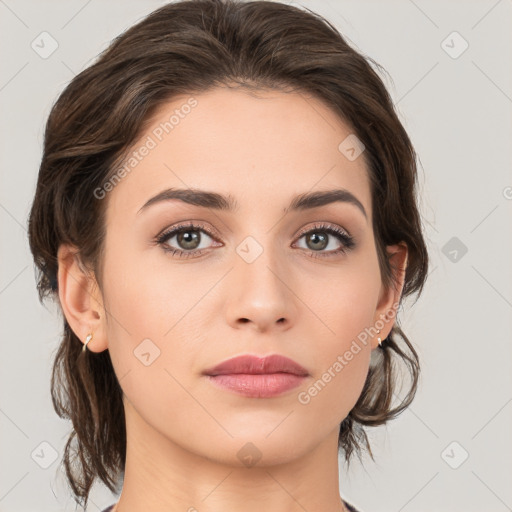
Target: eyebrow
{"points": [[228, 203]]}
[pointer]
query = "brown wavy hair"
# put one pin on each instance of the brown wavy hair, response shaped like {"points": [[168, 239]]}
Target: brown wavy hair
{"points": [[190, 47]]}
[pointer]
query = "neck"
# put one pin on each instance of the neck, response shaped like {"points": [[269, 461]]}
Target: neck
{"points": [[161, 475]]}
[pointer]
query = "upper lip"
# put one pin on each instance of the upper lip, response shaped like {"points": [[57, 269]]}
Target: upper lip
{"points": [[255, 365]]}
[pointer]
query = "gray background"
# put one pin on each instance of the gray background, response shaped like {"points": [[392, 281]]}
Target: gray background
{"points": [[458, 114]]}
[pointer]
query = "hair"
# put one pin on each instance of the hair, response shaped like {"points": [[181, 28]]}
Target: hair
{"points": [[189, 47]]}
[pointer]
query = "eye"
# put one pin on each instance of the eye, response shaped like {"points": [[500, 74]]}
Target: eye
{"points": [[327, 236], [191, 240]]}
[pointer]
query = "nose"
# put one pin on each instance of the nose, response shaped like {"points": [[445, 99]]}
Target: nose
{"points": [[259, 295]]}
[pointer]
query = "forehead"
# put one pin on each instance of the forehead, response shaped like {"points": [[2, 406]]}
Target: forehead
{"points": [[261, 148]]}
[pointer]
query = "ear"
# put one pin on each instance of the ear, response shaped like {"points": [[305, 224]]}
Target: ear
{"points": [[390, 297], [81, 299]]}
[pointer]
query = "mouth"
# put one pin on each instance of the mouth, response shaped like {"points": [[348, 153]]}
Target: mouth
{"points": [[256, 377]]}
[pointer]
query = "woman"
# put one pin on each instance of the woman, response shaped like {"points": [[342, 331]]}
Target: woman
{"points": [[226, 211]]}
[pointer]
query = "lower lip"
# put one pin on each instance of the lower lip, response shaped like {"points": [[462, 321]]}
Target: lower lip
{"points": [[257, 386]]}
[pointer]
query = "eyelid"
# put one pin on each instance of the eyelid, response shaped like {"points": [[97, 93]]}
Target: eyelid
{"points": [[190, 224], [319, 225]]}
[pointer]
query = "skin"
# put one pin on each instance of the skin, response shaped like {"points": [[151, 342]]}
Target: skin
{"points": [[183, 433]]}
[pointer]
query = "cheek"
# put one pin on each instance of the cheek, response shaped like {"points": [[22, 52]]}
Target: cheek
{"points": [[152, 336], [155, 327], [342, 366], [144, 297], [345, 303]]}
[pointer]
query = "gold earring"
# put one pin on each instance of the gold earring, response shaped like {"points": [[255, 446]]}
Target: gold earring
{"points": [[87, 339], [378, 339]]}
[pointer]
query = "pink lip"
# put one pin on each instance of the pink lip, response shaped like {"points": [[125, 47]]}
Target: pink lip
{"points": [[257, 377]]}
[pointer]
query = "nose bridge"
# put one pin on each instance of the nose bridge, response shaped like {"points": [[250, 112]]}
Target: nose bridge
{"points": [[259, 290], [258, 261]]}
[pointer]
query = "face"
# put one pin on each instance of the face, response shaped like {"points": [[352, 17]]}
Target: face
{"points": [[260, 278]]}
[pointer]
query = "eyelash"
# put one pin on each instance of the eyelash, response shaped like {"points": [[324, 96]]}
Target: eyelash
{"points": [[346, 239]]}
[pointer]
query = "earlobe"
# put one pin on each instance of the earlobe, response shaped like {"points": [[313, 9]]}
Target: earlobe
{"points": [[388, 304], [80, 298]]}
